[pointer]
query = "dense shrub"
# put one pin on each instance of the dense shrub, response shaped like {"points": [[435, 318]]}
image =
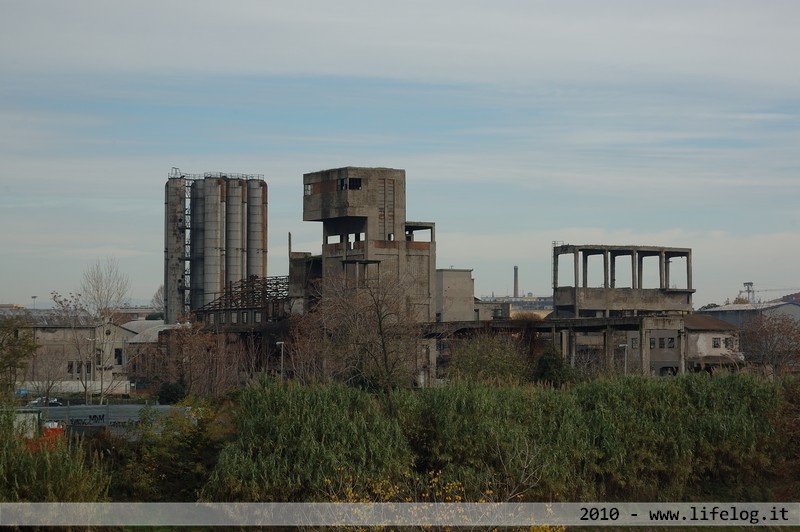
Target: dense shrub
{"points": [[633, 439], [295, 442], [48, 470]]}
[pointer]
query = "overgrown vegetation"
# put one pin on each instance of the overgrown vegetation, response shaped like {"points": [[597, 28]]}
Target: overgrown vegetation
{"points": [[688, 438], [56, 470]]}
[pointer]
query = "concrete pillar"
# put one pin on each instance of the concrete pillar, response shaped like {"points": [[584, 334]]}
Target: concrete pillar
{"points": [[689, 270], [644, 347], [639, 267], [606, 270], [585, 263], [662, 270]]}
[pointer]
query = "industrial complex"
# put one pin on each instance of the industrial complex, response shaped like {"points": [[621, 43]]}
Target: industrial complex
{"points": [[623, 309], [616, 320]]}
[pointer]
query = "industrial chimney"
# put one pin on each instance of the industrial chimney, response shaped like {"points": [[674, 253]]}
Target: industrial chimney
{"points": [[516, 282]]}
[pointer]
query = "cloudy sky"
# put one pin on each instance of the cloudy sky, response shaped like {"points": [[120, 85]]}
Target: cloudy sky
{"points": [[518, 123]]}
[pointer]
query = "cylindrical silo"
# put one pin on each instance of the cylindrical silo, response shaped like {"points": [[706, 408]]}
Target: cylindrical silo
{"points": [[174, 248], [257, 228], [197, 233], [214, 264], [233, 232]]}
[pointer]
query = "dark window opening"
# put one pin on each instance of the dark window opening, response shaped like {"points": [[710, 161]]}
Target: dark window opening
{"points": [[118, 356], [355, 183], [671, 343], [716, 343]]}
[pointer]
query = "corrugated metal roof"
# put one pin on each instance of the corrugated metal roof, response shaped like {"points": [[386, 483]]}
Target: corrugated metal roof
{"points": [[702, 322], [138, 326], [49, 317], [747, 307]]}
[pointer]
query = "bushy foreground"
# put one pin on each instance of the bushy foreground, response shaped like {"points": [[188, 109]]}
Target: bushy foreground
{"points": [[689, 438], [632, 439]]}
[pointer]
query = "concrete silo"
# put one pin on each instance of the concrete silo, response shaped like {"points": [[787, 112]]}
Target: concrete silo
{"points": [[215, 235], [256, 228], [174, 247]]}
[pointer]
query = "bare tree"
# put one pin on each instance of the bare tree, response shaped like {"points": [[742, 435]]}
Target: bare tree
{"points": [[772, 340], [46, 370], [363, 330], [158, 300], [204, 362], [104, 288], [77, 325]]}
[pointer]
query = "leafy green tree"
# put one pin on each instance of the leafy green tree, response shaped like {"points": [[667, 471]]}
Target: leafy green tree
{"points": [[550, 367], [16, 348]]}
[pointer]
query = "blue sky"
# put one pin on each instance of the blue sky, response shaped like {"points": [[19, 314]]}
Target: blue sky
{"points": [[518, 124]]}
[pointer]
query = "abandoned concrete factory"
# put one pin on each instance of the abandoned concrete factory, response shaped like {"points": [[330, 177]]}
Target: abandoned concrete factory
{"points": [[634, 316]]}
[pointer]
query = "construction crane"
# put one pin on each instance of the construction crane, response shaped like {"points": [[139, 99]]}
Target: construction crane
{"points": [[751, 292]]}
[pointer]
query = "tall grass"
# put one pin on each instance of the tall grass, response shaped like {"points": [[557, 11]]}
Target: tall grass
{"points": [[55, 471], [294, 441], [632, 439]]}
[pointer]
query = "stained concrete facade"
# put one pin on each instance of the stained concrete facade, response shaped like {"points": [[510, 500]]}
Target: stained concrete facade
{"points": [[610, 295], [365, 231]]}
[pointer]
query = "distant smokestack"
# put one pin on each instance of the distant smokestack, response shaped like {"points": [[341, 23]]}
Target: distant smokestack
{"points": [[516, 281]]}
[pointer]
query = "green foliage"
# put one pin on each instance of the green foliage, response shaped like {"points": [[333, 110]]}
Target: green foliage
{"points": [[171, 456], [56, 470], [170, 393], [294, 440], [632, 439], [16, 348], [551, 368], [688, 438]]}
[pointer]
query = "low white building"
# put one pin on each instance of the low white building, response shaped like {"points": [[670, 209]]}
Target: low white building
{"points": [[76, 354]]}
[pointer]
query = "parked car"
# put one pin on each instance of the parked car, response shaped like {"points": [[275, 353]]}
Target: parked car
{"points": [[40, 401]]}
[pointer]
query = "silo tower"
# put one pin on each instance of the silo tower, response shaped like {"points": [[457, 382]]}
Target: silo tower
{"points": [[215, 235]]}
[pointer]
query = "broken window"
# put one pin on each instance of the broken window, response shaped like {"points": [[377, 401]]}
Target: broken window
{"points": [[308, 189], [671, 343], [341, 184], [70, 367], [716, 343], [652, 343], [355, 183], [634, 343], [728, 343]]}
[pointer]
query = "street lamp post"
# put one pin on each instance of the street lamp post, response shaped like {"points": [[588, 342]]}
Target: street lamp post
{"points": [[92, 359], [281, 344]]}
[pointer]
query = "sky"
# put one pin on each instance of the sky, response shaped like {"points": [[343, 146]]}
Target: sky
{"points": [[518, 123]]}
